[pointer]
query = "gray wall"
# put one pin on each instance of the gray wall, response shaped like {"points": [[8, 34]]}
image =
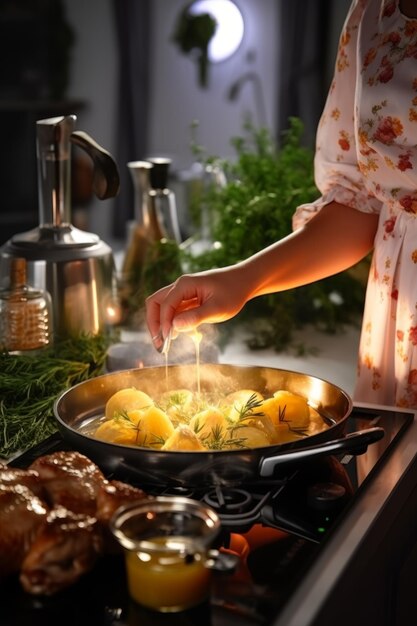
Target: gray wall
{"points": [[176, 100]]}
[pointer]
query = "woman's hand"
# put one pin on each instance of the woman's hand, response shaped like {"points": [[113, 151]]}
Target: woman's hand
{"points": [[333, 240], [193, 299]]}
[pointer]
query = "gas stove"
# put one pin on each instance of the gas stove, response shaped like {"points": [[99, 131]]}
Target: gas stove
{"points": [[308, 542]]}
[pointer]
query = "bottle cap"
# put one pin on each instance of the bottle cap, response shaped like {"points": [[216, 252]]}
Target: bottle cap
{"points": [[159, 172]]}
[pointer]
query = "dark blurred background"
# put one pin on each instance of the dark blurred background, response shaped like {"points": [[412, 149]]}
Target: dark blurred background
{"points": [[114, 64]]}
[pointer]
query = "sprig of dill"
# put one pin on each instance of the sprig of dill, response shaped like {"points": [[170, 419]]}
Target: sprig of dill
{"points": [[30, 384], [219, 440], [248, 410]]}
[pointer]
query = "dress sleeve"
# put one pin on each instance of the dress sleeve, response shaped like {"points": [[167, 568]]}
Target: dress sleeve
{"points": [[336, 170]]}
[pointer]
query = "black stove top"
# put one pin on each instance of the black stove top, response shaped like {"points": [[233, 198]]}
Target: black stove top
{"points": [[278, 527]]}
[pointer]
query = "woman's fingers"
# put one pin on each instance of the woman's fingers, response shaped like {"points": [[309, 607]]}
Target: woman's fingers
{"points": [[207, 297]]}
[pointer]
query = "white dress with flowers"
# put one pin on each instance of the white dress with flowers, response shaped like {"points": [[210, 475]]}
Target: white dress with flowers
{"points": [[367, 158]]}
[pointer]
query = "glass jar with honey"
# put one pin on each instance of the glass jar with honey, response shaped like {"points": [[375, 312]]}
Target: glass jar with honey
{"points": [[167, 548]]}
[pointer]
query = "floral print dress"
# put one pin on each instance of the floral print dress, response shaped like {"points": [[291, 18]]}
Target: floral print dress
{"points": [[366, 158]]}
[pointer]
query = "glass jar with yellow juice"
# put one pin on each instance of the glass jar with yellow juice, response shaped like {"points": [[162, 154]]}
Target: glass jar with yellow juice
{"points": [[166, 543]]}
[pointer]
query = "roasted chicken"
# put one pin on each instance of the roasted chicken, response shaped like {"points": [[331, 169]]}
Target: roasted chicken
{"points": [[70, 480], [110, 496], [64, 547], [54, 519], [21, 514], [10, 476]]}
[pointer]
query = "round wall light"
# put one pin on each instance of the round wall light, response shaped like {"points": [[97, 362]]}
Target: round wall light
{"points": [[229, 30]]}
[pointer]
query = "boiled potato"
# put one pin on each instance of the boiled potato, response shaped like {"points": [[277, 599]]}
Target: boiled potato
{"points": [[117, 431], [183, 438], [264, 424], [209, 424], [270, 409], [285, 434], [177, 403], [126, 400], [249, 437], [153, 425], [287, 410], [238, 400], [181, 419], [294, 409], [134, 416]]}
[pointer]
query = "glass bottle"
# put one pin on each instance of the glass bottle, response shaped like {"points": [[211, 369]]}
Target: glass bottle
{"points": [[163, 262], [140, 234], [162, 203], [152, 254], [212, 178], [25, 313]]}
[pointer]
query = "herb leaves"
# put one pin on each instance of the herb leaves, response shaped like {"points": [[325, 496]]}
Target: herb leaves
{"points": [[30, 384]]}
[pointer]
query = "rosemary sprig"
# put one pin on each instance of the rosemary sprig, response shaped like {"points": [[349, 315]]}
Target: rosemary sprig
{"points": [[299, 430]]}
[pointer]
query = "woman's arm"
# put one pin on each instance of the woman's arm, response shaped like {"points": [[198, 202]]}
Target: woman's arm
{"points": [[333, 240]]}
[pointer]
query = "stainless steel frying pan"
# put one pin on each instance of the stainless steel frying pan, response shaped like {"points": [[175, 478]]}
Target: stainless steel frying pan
{"points": [[85, 401]]}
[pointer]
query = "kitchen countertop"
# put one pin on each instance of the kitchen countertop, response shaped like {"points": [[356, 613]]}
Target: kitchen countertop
{"points": [[331, 357], [334, 357], [366, 574]]}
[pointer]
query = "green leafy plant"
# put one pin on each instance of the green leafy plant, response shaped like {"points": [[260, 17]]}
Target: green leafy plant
{"points": [[254, 209], [30, 384]]}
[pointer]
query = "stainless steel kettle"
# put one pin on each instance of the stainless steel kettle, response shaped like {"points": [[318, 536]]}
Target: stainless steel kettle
{"points": [[74, 266]]}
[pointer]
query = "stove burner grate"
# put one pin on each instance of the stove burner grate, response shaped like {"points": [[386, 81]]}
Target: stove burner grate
{"points": [[229, 500], [236, 506]]}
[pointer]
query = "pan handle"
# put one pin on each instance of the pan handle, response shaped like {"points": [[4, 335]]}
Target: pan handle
{"points": [[354, 443]]}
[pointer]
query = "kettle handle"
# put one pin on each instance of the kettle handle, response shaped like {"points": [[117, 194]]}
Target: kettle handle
{"points": [[106, 180]]}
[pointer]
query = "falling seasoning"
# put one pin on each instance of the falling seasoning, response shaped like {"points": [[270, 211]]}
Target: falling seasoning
{"points": [[25, 313]]}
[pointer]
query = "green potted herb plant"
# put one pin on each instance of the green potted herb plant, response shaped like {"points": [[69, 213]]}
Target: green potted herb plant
{"points": [[265, 183]]}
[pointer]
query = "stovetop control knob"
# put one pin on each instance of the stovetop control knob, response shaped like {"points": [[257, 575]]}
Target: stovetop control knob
{"points": [[326, 496]]}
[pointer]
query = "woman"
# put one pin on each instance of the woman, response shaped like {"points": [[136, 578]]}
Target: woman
{"points": [[366, 171]]}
